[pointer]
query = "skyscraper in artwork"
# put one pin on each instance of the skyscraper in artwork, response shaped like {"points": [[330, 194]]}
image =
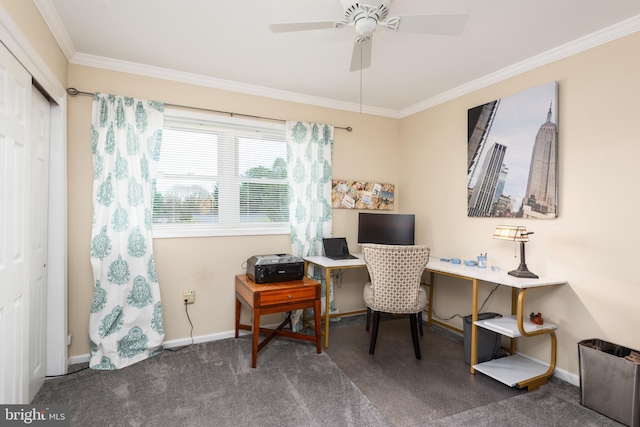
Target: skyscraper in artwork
{"points": [[485, 189], [541, 196]]}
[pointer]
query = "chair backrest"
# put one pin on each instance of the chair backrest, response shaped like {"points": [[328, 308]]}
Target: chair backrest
{"points": [[395, 273]]}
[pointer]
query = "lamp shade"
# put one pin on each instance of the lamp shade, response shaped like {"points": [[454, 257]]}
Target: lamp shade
{"points": [[515, 233]]}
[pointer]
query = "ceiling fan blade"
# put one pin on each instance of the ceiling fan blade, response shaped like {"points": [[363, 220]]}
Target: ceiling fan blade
{"points": [[361, 57], [448, 25], [301, 26]]}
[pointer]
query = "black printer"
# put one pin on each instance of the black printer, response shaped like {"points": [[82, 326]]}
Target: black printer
{"points": [[275, 268]]}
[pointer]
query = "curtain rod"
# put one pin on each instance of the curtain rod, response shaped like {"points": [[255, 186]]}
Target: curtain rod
{"points": [[73, 92]]}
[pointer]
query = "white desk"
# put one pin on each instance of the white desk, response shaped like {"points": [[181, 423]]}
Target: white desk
{"points": [[328, 264], [513, 370]]}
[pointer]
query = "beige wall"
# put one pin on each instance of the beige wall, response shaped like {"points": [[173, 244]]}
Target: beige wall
{"points": [[208, 265], [594, 241]]}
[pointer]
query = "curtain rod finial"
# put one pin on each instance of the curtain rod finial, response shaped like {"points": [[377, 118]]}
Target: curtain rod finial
{"points": [[72, 91]]}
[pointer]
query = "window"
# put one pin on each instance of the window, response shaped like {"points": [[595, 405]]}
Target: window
{"points": [[220, 176]]}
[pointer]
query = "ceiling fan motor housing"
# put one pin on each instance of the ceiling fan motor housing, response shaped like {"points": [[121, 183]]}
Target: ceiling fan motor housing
{"points": [[367, 15], [353, 8]]}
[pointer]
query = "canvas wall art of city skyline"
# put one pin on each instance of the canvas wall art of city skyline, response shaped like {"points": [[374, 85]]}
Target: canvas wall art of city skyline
{"points": [[512, 156]]}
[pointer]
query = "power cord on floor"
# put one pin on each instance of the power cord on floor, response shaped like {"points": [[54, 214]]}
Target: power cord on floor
{"points": [[186, 310], [67, 374], [459, 315], [169, 349]]}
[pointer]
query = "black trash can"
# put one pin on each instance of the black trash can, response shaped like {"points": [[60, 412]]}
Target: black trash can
{"points": [[488, 342], [610, 380]]}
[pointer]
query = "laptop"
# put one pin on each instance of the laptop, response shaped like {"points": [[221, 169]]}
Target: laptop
{"points": [[336, 248]]}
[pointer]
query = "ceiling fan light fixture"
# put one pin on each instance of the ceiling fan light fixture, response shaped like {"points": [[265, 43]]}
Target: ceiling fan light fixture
{"points": [[365, 27]]}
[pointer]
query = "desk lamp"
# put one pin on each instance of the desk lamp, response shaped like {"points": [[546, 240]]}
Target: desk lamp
{"points": [[516, 234]]}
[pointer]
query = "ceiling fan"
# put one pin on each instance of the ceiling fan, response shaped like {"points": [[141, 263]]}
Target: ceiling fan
{"points": [[367, 15]]}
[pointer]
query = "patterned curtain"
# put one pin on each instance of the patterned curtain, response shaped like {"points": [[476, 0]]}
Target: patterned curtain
{"points": [[309, 148], [125, 324]]}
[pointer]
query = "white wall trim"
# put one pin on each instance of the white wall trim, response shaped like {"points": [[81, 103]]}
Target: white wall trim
{"points": [[582, 44], [84, 358], [605, 35], [567, 376], [57, 324], [18, 44], [56, 27], [561, 374], [212, 82], [558, 373]]}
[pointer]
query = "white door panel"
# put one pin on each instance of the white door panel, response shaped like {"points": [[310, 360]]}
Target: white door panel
{"points": [[40, 126], [15, 183]]}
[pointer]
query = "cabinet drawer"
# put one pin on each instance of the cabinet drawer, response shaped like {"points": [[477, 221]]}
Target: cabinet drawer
{"points": [[283, 296]]}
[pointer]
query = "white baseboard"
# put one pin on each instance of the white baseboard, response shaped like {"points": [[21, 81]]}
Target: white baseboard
{"points": [[567, 376], [561, 374], [84, 358]]}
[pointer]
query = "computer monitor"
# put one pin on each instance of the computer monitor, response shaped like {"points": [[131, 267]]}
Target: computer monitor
{"points": [[386, 229]]}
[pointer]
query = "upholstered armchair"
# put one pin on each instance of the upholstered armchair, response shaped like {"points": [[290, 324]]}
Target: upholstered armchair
{"points": [[395, 273]]}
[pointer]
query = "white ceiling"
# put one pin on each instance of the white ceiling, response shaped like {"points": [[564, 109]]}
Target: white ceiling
{"points": [[227, 44]]}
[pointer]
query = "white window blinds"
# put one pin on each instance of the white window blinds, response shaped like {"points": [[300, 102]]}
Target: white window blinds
{"points": [[220, 177]]}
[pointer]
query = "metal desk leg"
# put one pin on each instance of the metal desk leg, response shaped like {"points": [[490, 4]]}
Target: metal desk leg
{"points": [[514, 311], [327, 298], [432, 284], [535, 382], [474, 328]]}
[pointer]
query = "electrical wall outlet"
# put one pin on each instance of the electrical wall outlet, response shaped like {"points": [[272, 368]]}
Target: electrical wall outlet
{"points": [[189, 297]]}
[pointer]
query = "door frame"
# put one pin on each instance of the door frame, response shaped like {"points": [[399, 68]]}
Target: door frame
{"points": [[18, 44]]}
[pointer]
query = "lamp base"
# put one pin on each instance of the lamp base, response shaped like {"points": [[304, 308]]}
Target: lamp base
{"points": [[523, 271]]}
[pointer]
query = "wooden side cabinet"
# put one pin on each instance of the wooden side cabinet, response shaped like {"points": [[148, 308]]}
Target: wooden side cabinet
{"points": [[276, 297]]}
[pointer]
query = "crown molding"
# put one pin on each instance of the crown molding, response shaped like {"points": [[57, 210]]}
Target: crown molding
{"points": [[600, 37], [582, 44], [212, 82], [53, 21]]}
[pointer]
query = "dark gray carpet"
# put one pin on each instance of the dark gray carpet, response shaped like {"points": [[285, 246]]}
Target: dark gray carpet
{"points": [[213, 384], [555, 404], [439, 390], [439, 385]]}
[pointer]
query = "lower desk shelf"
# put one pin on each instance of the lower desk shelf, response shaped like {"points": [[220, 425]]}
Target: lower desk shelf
{"points": [[508, 326], [511, 370], [515, 369]]}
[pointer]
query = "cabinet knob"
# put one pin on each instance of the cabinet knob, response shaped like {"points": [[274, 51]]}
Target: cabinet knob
{"points": [[289, 296]]}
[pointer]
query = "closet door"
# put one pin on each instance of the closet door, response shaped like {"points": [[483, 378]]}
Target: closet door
{"points": [[15, 198], [39, 208]]}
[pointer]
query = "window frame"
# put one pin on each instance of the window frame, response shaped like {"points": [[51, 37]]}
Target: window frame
{"points": [[173, 230]]}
